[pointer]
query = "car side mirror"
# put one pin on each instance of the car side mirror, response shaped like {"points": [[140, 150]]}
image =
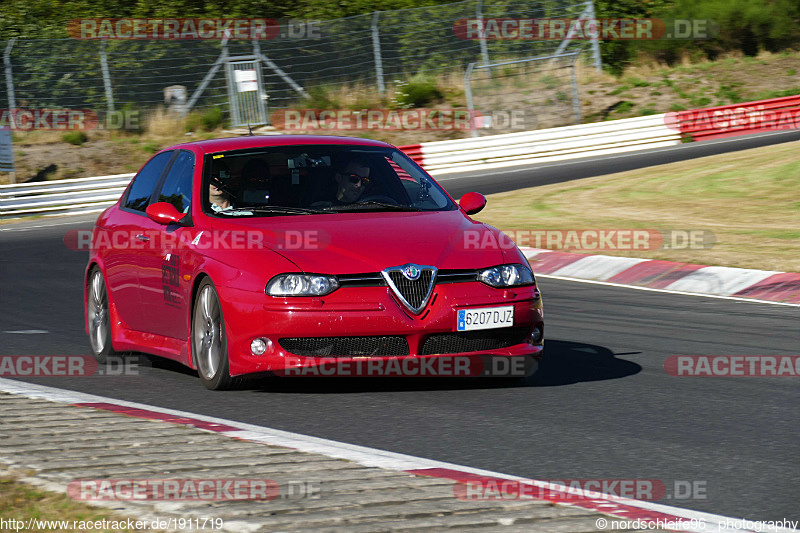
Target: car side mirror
{"points": [[164, 213], [472, 202]]}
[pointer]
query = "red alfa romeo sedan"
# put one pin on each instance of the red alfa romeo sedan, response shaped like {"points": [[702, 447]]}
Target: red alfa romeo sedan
{"points": [[307, 255]]}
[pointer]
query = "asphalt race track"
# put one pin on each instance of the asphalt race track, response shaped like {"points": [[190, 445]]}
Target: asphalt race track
{"points": [[602, 406]]}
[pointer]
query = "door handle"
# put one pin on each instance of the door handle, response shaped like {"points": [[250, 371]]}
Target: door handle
{"points": [[142, 237]]}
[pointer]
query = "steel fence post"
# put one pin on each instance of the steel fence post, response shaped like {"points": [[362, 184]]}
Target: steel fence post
{"points": [[468, 92], [482, 40], [106, 77], [376, 52], [598, 63], [12, 102], [576, 99]]}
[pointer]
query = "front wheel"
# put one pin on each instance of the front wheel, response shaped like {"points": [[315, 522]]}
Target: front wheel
{"points": [[209, 344], [97, 319]]}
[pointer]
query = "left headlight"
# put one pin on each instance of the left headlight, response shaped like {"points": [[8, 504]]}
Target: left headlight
{"points": [[506, 276], [302, 285]]}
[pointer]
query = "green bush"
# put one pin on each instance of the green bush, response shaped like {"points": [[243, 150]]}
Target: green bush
{"points": [[699, 101], [211, 118], [417, 93], [319, 98], [151, 147], [75, 137], [727, 92], [624, 107], [638, 82], [207, 120], [193, 121]]}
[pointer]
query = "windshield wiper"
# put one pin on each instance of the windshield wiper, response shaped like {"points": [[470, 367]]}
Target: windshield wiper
{"points": [[271, 209], [364, 206]]}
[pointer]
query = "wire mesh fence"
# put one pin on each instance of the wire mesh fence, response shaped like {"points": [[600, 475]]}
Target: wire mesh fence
{"points": [[524, 94], [375, 50]]}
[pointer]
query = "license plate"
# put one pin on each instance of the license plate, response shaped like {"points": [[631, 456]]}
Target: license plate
{"points": [[485, 318]]}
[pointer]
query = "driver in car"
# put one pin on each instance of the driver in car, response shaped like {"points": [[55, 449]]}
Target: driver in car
{"points": [[351, 180]]}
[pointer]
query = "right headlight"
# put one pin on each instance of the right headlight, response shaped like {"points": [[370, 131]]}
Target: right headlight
{"points": [[506, 276], [302, 285]]}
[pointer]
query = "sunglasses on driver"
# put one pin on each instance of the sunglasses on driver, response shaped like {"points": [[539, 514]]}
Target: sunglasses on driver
{"points": [[355, 178]]}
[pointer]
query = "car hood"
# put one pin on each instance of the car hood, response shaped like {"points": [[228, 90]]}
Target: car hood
{"points": [[350, 243]]}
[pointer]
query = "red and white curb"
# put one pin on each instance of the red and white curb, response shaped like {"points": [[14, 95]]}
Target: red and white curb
{"points": [[766, 286], [625, 509]]}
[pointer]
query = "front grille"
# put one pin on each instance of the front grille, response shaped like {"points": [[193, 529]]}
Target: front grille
{"points": [[345, 346], [374, 279], [473, 341], [414, 291], [456, 276], [370, 279]]}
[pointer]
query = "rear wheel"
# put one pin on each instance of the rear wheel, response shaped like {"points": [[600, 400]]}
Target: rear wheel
{"points": [[209, 344], [97, 317]]}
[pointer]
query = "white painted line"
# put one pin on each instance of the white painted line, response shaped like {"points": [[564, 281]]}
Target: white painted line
{"points": [[682, 293], [360, 454], [26, 331], [720, 280]]}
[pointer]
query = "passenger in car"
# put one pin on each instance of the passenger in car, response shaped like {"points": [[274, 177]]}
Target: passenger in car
{"points": [[256, 183]]}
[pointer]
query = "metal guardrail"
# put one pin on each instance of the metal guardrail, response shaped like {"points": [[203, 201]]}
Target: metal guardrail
{"points": [[73, 196]]}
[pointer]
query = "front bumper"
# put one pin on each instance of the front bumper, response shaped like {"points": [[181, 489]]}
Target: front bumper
{"points": [[357, 312]]}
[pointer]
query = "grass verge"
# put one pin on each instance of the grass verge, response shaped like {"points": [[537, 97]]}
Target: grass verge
{"points": [[748, 199], [21, 502]]}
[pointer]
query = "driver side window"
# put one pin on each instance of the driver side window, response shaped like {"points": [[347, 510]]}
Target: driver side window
{"points": [[177, 188], [145, 182]]}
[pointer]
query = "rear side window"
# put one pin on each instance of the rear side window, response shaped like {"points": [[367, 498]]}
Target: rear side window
{"points": [[177, 188], [145, 181]]}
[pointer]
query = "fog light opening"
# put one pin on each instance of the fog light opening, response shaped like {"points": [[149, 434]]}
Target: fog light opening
{"points": [[536, 335], [260, 345]]}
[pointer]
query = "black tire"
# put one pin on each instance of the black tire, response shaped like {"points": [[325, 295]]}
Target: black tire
{"points": [[209, 343], [97, 317]]}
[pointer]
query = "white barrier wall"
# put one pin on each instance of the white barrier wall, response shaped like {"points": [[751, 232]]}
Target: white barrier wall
{"points": [[555, 144], [80, 195]]}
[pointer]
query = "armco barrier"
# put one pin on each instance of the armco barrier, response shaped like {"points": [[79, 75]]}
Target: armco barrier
{"points": [[80, 195], [737, 119], [540, 146]]}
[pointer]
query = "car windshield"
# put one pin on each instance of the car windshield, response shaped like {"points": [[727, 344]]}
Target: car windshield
{"points": [[317, 179]]}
